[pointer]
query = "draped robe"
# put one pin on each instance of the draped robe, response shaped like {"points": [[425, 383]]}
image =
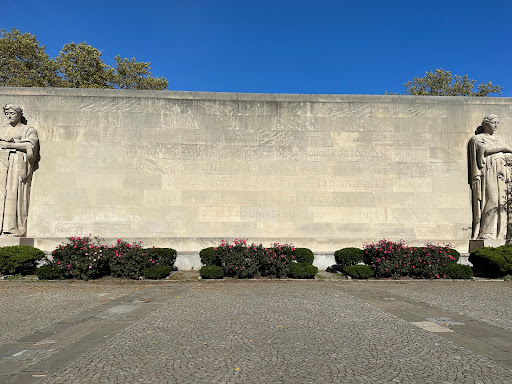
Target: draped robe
{"points": [[16, 169], [488, 177]]}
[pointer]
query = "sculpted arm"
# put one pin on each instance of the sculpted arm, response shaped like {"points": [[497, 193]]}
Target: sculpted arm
{"points": [[492, 150]]}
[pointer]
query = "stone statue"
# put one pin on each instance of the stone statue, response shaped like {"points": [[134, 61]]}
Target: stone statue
{"points": [[19, 158], [488, 177]]}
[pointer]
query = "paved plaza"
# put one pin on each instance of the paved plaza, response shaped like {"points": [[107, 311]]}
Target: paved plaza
{"points": [[258, 331]]}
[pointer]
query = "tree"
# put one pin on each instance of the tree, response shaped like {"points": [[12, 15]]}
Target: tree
{"points": [[130, 74], [443, 83], [24, 63], [82, 67]]}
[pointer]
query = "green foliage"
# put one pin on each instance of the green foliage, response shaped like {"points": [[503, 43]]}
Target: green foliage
{"points": [[443, 83], [492, 262], [349, 256], [459, 271], [19, 259], [24, 63], [391, 259], [241, 260], [130, 74], [128, 260], [455, 254], [49, 272], [274, 261], [359, 271], [302, 270], [82, 67], [211, 272], [82, 258], [157, 272], [304, 255], [162, 256], [209, 256]]}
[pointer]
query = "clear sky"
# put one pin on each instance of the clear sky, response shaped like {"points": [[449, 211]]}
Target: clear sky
{"points": [[283, 46]]}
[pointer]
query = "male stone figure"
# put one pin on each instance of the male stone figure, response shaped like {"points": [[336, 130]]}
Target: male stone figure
{"points": [[19, 157], [488, 173]]}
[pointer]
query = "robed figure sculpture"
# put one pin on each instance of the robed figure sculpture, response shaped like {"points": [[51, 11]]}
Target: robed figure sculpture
{"points": [[488, 177], [19, 157]]}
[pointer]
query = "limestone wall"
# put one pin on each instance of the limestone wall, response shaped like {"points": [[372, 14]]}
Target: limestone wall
{"points": [[187, 169]]}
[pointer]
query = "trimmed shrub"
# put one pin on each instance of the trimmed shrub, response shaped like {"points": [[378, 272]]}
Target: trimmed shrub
{"points": [[209, 256], [274, 261], [304, 255], [49, 272], [128, 260], [19, 259], [455, 254], [211, 272], [492, 262], [82, 258], [157, 272], [162, 256], [302, 270], [349, 256], [388, 258], [431, 261], [359, 271], [459, 271]]}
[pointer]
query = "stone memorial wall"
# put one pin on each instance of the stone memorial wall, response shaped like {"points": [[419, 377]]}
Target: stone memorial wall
{"points": [[187, 169]]}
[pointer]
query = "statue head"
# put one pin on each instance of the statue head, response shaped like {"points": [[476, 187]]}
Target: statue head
{"points": [[490, 123], [13, 113]]}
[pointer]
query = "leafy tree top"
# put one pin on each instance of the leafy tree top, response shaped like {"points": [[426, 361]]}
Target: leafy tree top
{"points": [[443, 83], [24, 63]]}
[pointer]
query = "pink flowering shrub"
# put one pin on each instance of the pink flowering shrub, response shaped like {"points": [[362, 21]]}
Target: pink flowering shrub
{"points": [[276, 260], [84, 258], [81, 258], [238, 259], [395, 259], [242, 260], [127, 260]]}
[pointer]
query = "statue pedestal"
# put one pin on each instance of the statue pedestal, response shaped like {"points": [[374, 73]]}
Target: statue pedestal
{"points": [[477, 244], [6, 241]]}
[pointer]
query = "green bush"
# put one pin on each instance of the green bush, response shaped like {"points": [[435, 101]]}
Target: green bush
{"points": [[274, 261], [158, 272], [349, 256], [459, 271], [82, 258], [209, 256], [492, 262], [128, 260], [455, 254], [303, 270], [19, 259], [359, 271], [211, 272], [304, 255], [49, 272], [162, 256]]}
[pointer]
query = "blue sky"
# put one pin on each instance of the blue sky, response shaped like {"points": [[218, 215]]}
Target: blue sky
{"points": [[283, 46]]}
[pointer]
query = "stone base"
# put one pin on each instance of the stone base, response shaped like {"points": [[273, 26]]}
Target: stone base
{"points": [[6, 241], [477, 244]]}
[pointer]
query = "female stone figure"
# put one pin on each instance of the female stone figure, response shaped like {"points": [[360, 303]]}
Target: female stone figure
{"points": [[19, 156], [488, 156]]}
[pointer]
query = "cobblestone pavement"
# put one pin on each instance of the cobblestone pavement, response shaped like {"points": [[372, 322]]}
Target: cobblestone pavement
{"points": [[26, 307], [488, 301], [276, 332]]}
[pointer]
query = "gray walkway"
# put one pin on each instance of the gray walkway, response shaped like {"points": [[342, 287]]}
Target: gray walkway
{"points": [[258, 332]]}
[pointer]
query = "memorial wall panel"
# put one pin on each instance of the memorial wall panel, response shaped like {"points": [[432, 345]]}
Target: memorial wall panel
{"points": [[323, 171]]}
